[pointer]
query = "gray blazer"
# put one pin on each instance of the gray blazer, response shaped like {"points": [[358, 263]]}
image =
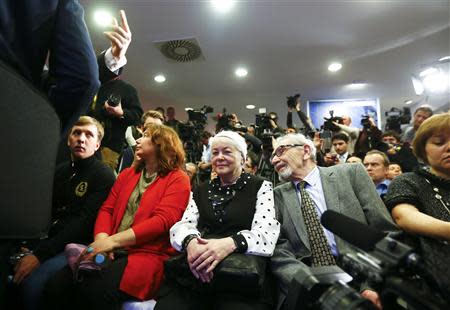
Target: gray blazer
{"points": [[348, 190]]}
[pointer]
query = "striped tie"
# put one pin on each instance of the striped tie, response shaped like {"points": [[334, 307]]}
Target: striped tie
{"points": [[320, 249]]}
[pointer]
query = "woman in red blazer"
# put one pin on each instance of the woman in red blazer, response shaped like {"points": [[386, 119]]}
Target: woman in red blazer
{"points": [[132, 228]]}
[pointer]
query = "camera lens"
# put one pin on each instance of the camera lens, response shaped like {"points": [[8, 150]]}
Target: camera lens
{"points": [[340, 297]]}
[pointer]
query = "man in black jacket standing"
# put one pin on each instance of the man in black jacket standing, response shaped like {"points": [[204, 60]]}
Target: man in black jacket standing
{"points": [[80, 187], [116, 106]]}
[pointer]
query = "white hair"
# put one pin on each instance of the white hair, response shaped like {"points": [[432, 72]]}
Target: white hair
{"points": [[236, 140], [297, 138]]}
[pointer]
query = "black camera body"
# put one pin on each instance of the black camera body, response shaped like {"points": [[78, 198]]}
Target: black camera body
{"points": [[396, 118], [365, 122], [199, 115], [114, 100], [392, 269], [328, 124], [292, 100]]}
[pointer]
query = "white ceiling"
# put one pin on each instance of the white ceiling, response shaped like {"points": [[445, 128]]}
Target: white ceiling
{"points": [[286, 46]]}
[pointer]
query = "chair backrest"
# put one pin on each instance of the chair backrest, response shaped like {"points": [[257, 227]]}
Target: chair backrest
{"points": [[29, 133]]}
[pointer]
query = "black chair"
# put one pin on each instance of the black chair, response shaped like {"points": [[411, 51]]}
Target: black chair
{"points": [[29, 133]]}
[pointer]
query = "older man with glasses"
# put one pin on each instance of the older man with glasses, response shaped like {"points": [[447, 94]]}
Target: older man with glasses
{"points": [[310, 191]]}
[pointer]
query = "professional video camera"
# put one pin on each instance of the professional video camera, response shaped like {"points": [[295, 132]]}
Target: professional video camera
{"points": [[391, 268], [228, 122], [190, 131], [396, 117], [199, 115], [292, 100], [328, 124]]}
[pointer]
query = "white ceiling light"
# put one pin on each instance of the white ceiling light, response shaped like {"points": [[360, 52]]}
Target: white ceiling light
{"points": [[444, 58], [357, 85], [222, 6], [334, 67], [241, 72], [160, 78], [250, 106], [436, 82], [428, 71], [408, 101], [103, 18]]}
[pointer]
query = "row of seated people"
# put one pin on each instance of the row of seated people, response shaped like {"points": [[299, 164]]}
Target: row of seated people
{"points": [[149, 214]]}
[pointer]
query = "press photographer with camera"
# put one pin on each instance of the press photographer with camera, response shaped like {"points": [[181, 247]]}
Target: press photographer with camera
{"points": [[369, 137], [344, 126], [420, 201], [399, 152], [116, 106], [420, 115]]}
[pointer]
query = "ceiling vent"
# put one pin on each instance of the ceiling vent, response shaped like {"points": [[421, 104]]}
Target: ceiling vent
{"points": [[181, 50]]}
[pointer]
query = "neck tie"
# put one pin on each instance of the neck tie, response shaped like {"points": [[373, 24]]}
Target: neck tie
{"points": [[320, 249]]}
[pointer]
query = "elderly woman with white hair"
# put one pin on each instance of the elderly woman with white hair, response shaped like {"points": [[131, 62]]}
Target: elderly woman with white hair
{"points": [[233, 213]]}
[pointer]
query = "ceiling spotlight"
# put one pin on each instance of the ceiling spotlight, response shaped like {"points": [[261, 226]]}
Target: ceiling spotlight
{"points": [[160, 78], [334, 67], [222, 6], [103, 18], [250, 106], [444, 59], [241, 72], [357, 85], [408, 101]]}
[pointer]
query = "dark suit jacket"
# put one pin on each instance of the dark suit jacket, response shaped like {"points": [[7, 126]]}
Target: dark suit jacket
{"points": [[348, 190], [29, 29]]}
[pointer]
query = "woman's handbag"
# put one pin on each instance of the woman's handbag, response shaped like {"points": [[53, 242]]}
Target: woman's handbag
{"points": [[239, 273]]}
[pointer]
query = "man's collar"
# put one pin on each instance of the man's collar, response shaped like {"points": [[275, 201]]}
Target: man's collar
{"points": [[311, 178]]}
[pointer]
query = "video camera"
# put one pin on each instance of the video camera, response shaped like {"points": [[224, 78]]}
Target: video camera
{"points": [[228, 122], [396, 117], [329, 125], [199, 115], [292, 101], [379, 261]]}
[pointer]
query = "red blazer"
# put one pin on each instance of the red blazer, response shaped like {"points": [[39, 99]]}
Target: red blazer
{"points": [[161, 206]]}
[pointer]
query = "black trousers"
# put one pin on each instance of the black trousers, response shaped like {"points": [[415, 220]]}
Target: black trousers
{"points": [[98, 289], [180, 298]]}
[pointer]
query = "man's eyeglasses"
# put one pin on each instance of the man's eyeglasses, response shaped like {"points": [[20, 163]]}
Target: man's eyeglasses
{"points": [[281, 149]]}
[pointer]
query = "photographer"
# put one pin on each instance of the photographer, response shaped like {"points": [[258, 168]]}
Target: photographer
{"points": [[293, 102], [352, 132], [399, 152], [420, 115], [369, 138], [116, 106]]}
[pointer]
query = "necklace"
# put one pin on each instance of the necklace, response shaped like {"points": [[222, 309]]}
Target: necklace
{"points": [[438, 196]]}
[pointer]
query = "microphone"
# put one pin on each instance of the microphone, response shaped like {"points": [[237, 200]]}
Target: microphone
{"points": [[352, 231]]}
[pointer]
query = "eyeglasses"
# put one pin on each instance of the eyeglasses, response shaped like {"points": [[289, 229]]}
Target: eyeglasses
{"points": [[279, 151]]}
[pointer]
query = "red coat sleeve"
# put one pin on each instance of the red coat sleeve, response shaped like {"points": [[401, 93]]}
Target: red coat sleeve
{"points": [[104, 222], [169, 210]]}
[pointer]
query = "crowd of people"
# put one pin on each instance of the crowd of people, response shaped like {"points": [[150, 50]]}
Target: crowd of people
{"points": [[151, 225]]}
